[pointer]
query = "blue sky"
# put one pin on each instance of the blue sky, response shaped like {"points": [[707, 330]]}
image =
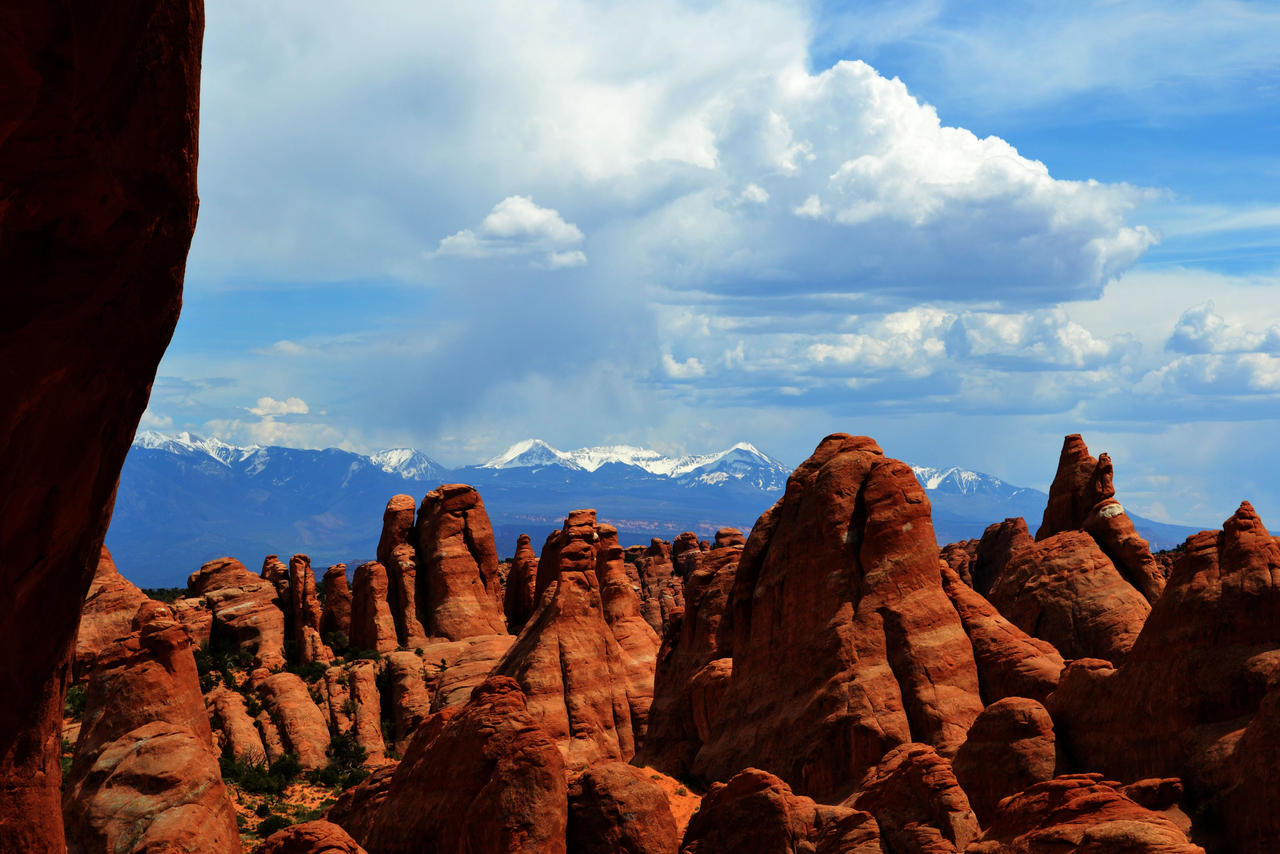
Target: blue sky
{"points": [[965, 229]]}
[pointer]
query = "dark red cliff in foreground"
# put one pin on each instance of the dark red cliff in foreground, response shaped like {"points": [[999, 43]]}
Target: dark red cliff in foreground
{"points": [[98, 182]]}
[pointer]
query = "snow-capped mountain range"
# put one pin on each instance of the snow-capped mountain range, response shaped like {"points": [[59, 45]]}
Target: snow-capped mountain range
{"points": [[184, 499]]}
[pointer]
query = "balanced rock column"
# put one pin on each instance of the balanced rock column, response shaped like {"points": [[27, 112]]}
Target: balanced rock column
{"points": [[518, 602], [336, 616], [372, 625], [844, 643], [305, 609], [458, 565]]}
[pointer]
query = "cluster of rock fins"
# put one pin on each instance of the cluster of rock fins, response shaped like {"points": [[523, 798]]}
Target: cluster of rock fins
{"points": [[832, 683]]}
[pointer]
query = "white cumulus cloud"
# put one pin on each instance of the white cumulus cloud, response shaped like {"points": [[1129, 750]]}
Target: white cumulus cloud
{"points": [[518, 226], [268, 407]]}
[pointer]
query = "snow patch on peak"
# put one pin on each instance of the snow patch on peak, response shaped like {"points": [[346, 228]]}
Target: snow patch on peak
{"points": [[190, 443], [407, 462], [529, 453]]}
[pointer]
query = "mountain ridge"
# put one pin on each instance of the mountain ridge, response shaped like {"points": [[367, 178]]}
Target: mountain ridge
{"points": [[184, 498]]}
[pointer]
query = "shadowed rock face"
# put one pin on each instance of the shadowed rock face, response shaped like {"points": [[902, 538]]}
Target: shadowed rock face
{"points": [[458, 565], [304, 609], [505, 792], [337, 601], [518, 599], [98, 177], [916, 801], [844, 643], [1196, 676], [693, 640], [1009, 748], [615, 807], [1079, 812], [756, 813], [622, 612], [310, 837]]}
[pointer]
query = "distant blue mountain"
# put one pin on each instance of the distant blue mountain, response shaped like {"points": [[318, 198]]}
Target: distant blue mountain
{"points": [[184, 499]]}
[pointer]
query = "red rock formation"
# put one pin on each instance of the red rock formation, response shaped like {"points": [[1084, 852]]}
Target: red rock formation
{"points": [[355, 706], [410, 702], [358, 806], [614, 808], [844, 643], [506, 791], [1082, 497], [661, 589], [1065, 590], [299, 721], [372, 624], [569, 665], [310, 837], [686, 554], [244, 609], [1079, 812], [98, 177], [304, 608], [156, 788], [107, 614], [1196, 676], [636, 638], [275, 571], [144, 775], [455, 668], [196, 617], [917, 803], [229, 715], [1010, 747], [960, 557], [397, 554], [756, 813], [1251, 820], [336, 616], [693, 641], [999, 543], [549, 558], [518, 601], [149, 675], [1010, 662], [458, 584]]}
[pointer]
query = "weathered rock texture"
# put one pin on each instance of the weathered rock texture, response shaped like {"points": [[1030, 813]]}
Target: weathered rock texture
{"points": [[372, 624], [358, 806], [196, 617], [693, 640], [917, 802], [1083, 497], [1196, 676], [108, 613], [453, 669], [1079, 812], [397, 554], [410, 701], [145, 774], [844, 643], [458, 565], [505, 792], [355, 707], [98, 177], [244, 611], [1009, 748], [517, 600], [615, 808], [1065, 590], [1010, 662], [336, 616], [310, 837], [756, 813], [568, 662]]}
